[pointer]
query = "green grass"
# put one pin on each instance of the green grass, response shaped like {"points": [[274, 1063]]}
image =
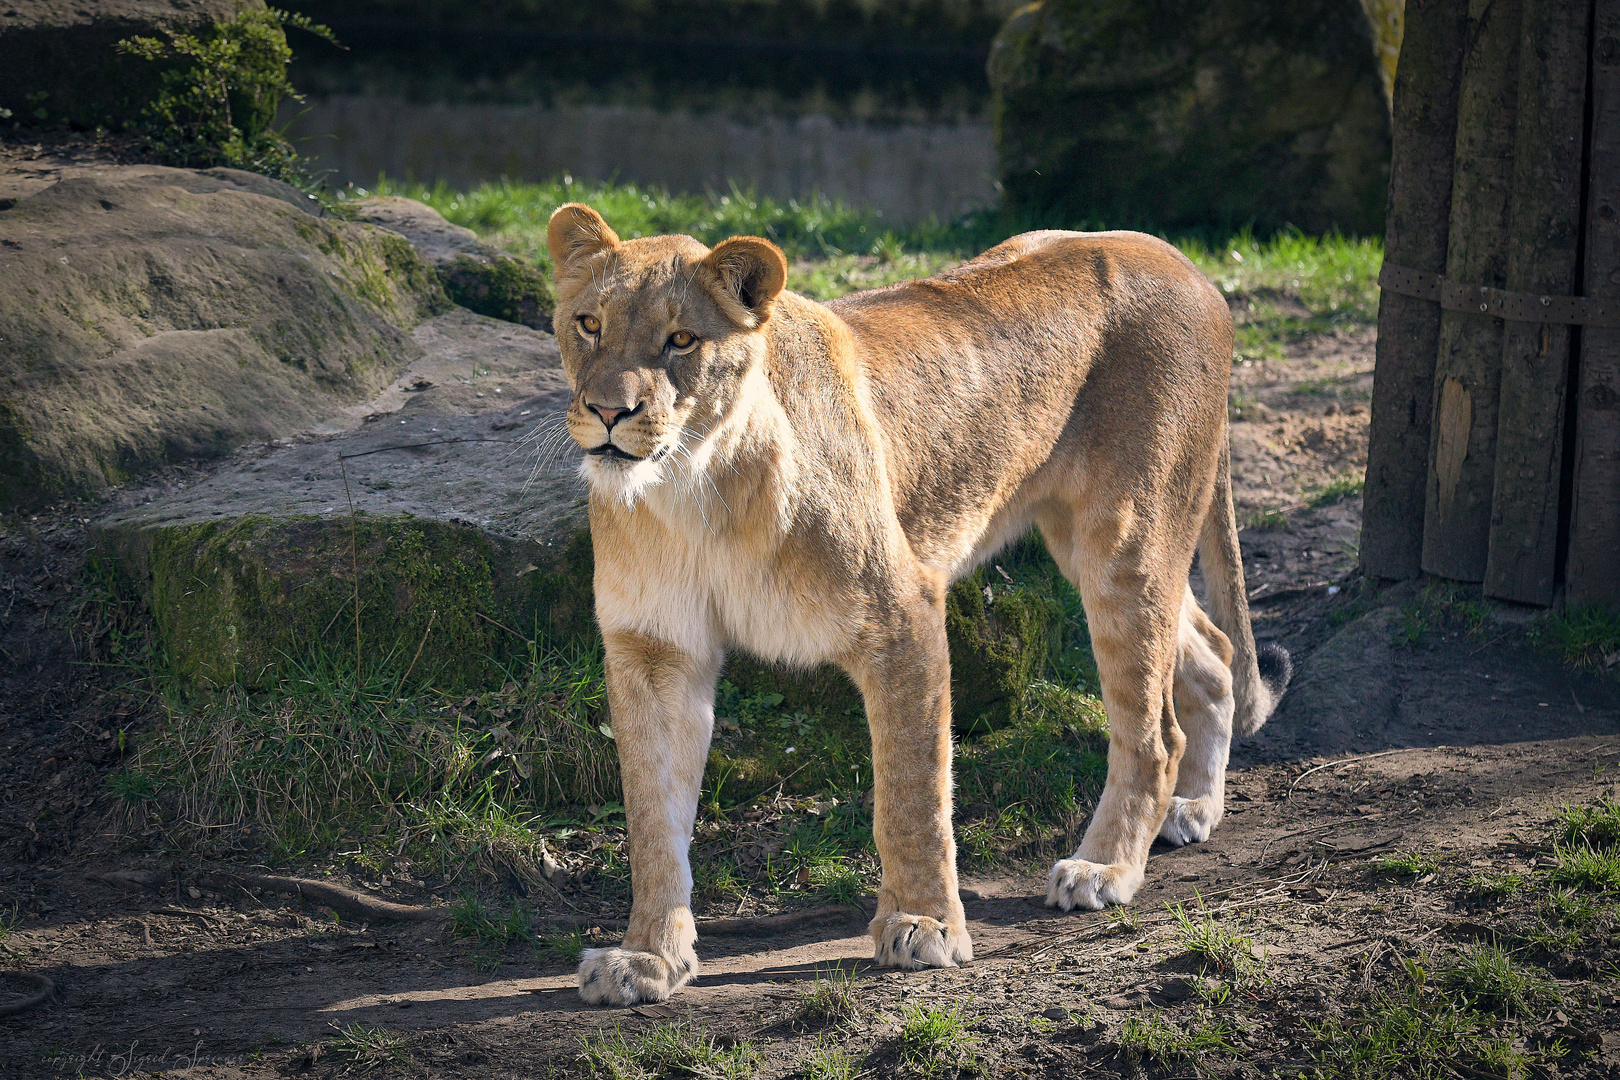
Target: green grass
{"points": [[1586, 867], [1288, 286], [831, 998], [1495, 887], [1587, 636], [365, 1048], [563, 948], [827, 1062], [1484, 978], [470, 918], [1404, 864], [1155, 1037], [1347, 487], [1423, 1036], [666, 1050], [1220, 950], [1594, 825], [934, 1040]]}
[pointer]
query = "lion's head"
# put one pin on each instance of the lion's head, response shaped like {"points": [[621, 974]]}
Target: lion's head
{"points": [[659, 338]]}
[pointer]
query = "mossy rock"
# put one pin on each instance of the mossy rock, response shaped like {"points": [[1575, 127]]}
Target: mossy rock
{"points": [[154, 315], [1145, 114], [249, 600], [475, 275], [999, 646]]}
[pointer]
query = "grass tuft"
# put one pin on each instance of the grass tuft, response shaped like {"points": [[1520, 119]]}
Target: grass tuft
{"points": [[365, 1048], [1586, 867], [831, 998], [934, 1040], [1594, 825], [1347, 487], [827, 1063], [1587, 636], [1485, 978], [1219, 949], [1155, 1037], [666, 1050], [1404, 864], [469, 918]]}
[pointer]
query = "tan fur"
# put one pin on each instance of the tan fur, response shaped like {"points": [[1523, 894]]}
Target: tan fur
{"points": [[806, 480]]}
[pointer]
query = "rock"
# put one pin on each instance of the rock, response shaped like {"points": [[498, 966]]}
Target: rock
{"points": [[63, 50], [475, 275], [468, 540], [152, 315], [1344, 695], [999, 646], [1144, 114]]}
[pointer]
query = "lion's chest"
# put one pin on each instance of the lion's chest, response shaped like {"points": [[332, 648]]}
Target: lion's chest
{"points": [[767, 612]]}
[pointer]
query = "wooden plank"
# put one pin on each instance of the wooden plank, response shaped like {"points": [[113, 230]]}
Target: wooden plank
{"points": [[1468, 365], [1593, 575], [1423, 139], [1543, 248]]}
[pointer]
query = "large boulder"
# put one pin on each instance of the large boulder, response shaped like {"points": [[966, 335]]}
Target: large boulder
{"points": [[59, 63], [476, 275], [151, 315], [1225, 113]]}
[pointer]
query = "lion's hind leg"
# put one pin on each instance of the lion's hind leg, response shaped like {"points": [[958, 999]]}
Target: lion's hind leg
{"points": [[1204, 708], [1133, 601]]}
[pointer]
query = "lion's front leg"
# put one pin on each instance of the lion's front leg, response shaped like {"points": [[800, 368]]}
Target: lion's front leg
{"points": [[905, 679], [662, 700]]}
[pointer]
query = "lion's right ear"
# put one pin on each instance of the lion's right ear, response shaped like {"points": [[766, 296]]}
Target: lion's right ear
{"points": [[576, 232]]}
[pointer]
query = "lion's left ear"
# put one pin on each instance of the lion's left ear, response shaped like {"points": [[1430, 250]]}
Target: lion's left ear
{"points": [[751, 273]]}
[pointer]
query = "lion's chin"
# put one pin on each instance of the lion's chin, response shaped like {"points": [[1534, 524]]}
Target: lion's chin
{"points": [[622, 478]]}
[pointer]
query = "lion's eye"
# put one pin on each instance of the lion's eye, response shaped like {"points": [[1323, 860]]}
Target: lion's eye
{"points": [[590, 324], [680, 339]]}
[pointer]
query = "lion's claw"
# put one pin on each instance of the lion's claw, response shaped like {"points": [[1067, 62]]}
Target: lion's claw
{"points": [[917, 941], [623, 977], [1078, 883], [1190, 821]]}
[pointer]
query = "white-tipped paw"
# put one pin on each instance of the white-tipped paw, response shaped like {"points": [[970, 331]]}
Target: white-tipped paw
{"points": [[1076, 883], [1190, 821], [623, 977], [917, 941]]}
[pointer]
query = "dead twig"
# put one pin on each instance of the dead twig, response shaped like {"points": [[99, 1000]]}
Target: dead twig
{"points": [[339, 899], [1354, 760]]}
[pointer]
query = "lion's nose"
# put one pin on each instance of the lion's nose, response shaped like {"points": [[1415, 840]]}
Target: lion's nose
{"points": [[611, 415]]}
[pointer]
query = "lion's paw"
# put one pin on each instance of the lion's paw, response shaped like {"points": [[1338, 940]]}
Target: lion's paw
{"points": [[917, 941], [1078, 883], [1190, 821], [623, 977]]}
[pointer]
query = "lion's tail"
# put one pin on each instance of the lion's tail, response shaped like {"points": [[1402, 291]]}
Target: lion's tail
{"points": [[1258, 678]]}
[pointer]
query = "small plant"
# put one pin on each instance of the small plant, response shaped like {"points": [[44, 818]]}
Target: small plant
{"points": [[668, 1049], [1496, 887], [1227, 954], [1595, 825], [1404, 864], [1123, 920], [469, 918], [1586, 867], [1586, 636], [1568, 907], [828, 1063], [365, 1048], [1485, 978], [934, 1039], [1346, 487], [132, 787], [1156, 1037], [831, 998], [564, 948], [1269, 520]]}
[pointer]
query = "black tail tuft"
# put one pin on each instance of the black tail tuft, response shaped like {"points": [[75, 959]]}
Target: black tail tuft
{"points": [[1275, 668]]}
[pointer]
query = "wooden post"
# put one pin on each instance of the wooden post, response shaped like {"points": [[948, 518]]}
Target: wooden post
{"points": [[1542, 250], [1593, 575], [1467, 374], [1423, 141]]}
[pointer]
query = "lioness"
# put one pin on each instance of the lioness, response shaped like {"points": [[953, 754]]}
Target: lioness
{"points": [[803, 481]]}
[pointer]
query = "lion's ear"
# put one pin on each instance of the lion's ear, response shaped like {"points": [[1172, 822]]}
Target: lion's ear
{"points": [[577, 232], [751, 274]]}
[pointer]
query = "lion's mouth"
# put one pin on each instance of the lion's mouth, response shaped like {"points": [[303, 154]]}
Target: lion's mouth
{"points": [[612, 453]]}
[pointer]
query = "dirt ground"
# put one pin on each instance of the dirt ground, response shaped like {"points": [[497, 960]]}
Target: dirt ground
{"points": [[1408, 731]]}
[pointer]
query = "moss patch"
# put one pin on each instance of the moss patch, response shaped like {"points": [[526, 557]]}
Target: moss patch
{"points": [[502, 287], [249, 601]]}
